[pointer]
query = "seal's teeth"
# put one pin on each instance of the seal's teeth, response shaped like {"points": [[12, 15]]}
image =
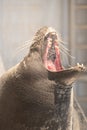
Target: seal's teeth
{"points": [[82, 65], [78, 64]]}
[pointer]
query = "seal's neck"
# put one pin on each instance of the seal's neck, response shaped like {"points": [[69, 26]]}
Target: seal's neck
{"points": [[64, 106]]}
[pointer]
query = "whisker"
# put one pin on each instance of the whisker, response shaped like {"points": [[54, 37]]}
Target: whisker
{"points": [[25, 45], [62, 44], [65, 52], [63, 47]]}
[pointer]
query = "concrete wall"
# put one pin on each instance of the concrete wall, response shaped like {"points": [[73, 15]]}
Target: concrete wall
{"points": [[20, 19]]}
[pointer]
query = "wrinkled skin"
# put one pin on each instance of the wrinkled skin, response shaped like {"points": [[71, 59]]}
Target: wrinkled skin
{"points": [[36, 94]]}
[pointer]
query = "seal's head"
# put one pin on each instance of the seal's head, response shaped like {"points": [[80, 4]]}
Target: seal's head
{"points": [[46, 42]]}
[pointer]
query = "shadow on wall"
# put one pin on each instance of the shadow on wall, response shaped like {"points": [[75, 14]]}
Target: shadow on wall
{"points": [[2, 69]]}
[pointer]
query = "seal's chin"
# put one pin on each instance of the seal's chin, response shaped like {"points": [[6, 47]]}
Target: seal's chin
{"points": [[51, 57]]}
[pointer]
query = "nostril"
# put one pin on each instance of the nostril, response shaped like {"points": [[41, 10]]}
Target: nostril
{"points": [[54, 37]]}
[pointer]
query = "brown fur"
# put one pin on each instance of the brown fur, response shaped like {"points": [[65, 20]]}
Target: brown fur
{"points": [[32, 98]]}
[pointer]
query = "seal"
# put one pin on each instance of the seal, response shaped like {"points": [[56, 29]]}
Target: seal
{"points": [[36, 94]]}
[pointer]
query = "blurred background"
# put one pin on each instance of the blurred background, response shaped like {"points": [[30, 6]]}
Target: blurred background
{"points": [[20, 19]]}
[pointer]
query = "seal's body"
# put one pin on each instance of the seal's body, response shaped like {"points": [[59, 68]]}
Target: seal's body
{"points": [[36, 94]]}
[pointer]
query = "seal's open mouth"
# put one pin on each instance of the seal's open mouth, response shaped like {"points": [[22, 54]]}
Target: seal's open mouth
{"points": [[51, 57]]}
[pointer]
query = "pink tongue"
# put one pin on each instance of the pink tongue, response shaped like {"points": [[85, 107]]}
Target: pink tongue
{"points": [[53, 66], [50, 66], [57, 61]]}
